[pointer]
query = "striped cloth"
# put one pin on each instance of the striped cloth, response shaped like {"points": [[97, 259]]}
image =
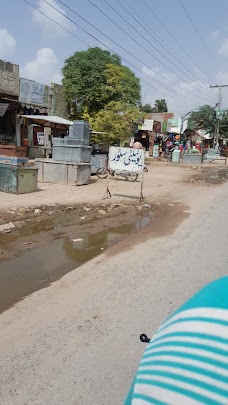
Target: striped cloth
{"points": [[186, 361]]}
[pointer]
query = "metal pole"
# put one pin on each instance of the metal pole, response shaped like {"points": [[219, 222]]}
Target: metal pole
{"points": [[141, 198], [220, 87], [217, 137]]}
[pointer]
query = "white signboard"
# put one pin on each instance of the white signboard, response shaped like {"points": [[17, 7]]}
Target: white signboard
{"points": [[128, 159], [40, 138], [33, 93], [148, 125]]}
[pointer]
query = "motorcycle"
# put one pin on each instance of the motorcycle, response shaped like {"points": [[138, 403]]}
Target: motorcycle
{"points": [[103, 172]]}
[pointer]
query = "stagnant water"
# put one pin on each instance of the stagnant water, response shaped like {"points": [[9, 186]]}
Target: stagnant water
{"points": [[39, 267]]}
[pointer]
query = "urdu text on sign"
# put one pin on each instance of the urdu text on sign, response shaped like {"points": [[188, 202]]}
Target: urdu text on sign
{"points": [[128, 159]]}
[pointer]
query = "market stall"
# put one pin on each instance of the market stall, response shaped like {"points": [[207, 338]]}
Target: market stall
{"points": [[40, 131], [71, 154]]}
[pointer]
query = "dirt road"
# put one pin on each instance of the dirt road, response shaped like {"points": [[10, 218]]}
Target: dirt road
{"points": [[77, 342]]}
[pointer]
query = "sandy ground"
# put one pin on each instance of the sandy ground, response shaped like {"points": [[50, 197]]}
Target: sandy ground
{"points": [[162, 178], [77, 342]]}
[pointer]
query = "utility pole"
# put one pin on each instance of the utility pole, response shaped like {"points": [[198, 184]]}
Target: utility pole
{"points": [[220, 87], [217, 108]]}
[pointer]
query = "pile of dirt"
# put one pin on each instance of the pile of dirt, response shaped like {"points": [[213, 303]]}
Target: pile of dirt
{"points": [[209, 175]]}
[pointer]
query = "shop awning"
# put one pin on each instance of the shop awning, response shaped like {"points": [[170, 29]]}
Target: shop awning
{"points": [[48, 121], [99, 133]]}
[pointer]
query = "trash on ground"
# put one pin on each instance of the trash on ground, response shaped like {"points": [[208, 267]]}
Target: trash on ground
{"points": [[103, 212], [37, 211], [146, 206], [7, 227]]}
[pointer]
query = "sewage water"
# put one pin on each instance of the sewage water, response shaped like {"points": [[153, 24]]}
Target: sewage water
{"points": [[37, 268]]}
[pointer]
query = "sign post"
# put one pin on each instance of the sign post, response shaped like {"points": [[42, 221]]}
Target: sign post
{"points": [[126, 159], [107, 191], [141, 198]]}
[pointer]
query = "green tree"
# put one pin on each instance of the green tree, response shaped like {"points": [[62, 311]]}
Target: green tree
{"points": [[160, 106], [223, 125], [122, 85], [203, 118], [84, 80], [94, 78], [147, 108], [116, 119]]}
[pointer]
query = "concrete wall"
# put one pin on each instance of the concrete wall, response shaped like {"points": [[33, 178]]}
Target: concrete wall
{"points": [[160, 117], [9, 78], [58, 105], [52, 171]]}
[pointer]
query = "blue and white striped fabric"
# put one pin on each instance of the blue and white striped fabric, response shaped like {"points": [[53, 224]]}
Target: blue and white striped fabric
{"points": [[186, 362]]}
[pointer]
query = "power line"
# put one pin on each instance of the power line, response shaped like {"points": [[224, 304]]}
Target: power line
{"points": [[158, 41], [90, 1], [135, 67], [57, 23], [198, 33], [120, 46], [171, 35]]}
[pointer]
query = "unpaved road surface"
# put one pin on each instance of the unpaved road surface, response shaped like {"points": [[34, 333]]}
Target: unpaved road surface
{"points": [[77, 342]]}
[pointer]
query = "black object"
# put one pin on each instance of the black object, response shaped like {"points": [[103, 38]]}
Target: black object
{"points": [[144, 338]]}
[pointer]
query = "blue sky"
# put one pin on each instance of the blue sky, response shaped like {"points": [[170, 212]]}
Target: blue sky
{"points": [[182, 64]]}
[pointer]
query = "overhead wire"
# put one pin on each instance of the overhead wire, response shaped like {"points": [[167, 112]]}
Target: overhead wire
{"points": [[171, 35], [41, 12], [70, 32], [177, 96], [149, 32], [143, 47], [198, 33], [120, 46], [141, 72]]}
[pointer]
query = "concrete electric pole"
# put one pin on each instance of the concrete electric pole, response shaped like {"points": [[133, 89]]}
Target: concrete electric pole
{"points": [[218, 109]]}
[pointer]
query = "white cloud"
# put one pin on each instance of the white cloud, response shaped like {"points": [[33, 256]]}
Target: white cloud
{"points": [[215, 35], [223, 50], [49, 28], [7, 44], [44, 68]]}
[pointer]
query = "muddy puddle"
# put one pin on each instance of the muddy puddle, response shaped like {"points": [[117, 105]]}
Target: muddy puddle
{"points": [[39, 252]]}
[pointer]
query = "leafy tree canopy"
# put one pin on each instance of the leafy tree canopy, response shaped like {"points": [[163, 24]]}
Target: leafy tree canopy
{"points": [[94, 78], [147, 108], [122, 85], [160, 106], [205, 118], [116, 119]]}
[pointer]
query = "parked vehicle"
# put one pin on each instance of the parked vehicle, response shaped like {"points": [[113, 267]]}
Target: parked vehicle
{"points": [[102, 173]]}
